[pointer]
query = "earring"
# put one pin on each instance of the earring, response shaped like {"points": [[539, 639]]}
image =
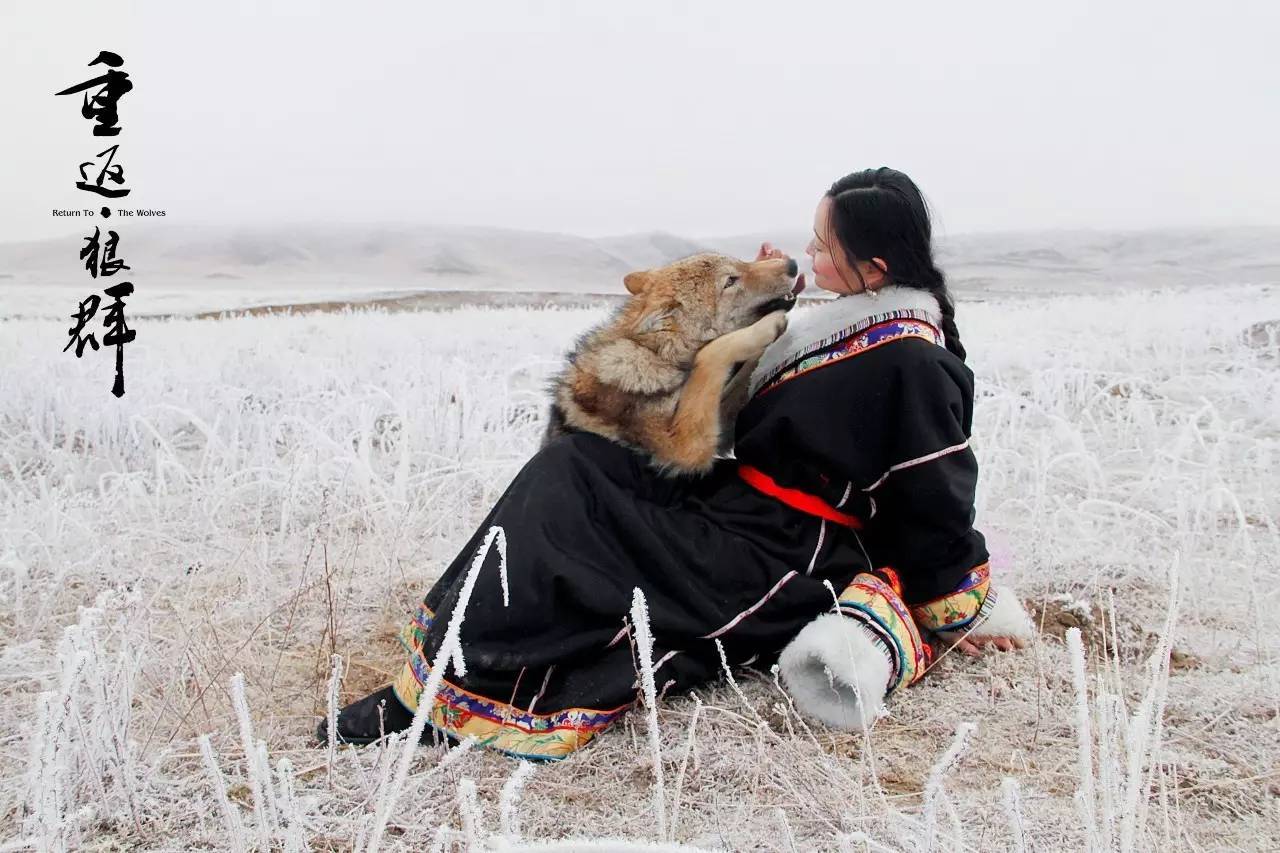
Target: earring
{"points": [[879, 264]]}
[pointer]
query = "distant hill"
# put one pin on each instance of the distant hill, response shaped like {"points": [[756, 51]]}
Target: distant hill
{"points": [[406, 257], [188, 267], [1082, 260]]}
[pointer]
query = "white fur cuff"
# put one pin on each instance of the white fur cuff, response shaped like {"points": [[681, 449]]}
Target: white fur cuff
{"points": [[1005, 618], [836, 672]]}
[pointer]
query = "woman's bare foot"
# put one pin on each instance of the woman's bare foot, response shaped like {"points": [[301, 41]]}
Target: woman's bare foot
{"points": [[1006, 626], [976, 645]]}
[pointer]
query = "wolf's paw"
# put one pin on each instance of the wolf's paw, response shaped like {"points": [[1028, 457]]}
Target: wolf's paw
{"points": [[771, 326], [750, 342]]}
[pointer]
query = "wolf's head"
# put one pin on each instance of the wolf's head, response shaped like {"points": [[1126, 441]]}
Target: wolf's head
{"points": [[708, 295]]}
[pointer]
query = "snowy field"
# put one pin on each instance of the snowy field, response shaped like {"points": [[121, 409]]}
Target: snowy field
{"points": [[273, 491]]}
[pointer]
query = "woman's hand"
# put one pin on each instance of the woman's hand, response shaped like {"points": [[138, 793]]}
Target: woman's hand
{"points": [[768, 252]]}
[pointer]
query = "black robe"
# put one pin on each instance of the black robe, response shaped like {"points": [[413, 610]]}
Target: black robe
{"points": [[874, 426]]}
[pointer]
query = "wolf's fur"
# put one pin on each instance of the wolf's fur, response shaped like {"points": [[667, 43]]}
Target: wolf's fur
{"points": [[655, 375]]}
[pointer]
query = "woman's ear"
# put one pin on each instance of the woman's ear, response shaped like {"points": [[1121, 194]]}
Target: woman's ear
{"points": [[878, 264], [636, 281]]}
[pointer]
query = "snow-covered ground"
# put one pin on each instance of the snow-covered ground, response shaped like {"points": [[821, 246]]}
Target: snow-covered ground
{"points": [[272, 491]]}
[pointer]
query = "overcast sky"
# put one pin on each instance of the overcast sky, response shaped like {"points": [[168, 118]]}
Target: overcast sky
{"points": [[609, 117]]}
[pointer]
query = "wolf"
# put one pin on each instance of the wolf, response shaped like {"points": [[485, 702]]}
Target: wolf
{"points": [[659, 375]]}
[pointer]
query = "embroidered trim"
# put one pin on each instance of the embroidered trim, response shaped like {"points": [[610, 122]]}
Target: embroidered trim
{"points": [[919, 460], [878, 606], [985, 611], [814, 327], [495, 724], [752, 609], [668, 656], [822, 530], [907, 324], [969, 604]]}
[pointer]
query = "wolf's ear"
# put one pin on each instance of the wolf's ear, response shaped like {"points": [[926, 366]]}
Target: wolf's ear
{"points": [[636, 281]]}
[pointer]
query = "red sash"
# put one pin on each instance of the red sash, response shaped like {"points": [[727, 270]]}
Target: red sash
{"points": [[796, 499]]}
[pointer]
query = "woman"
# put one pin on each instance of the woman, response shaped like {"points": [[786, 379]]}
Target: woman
{"points": [[852, 469]]}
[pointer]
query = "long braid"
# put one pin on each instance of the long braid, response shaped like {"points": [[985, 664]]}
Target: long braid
{"points": [[937, 285]]}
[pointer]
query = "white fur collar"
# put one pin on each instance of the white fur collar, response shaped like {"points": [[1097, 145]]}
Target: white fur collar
{"points": [[814, 326]]}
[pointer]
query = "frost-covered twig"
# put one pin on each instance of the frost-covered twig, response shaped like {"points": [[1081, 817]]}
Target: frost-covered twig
{"points": [[644, 639], [1085, 798], [733, 683], [81, 736], [509, 801], [788, 836], [256, 782], [449, 651], [263, 769], [1013, 811], [335, 679], [933, 787], [290, 817], [235, 828], [1145, 728], [469, 810], [684, 762]]}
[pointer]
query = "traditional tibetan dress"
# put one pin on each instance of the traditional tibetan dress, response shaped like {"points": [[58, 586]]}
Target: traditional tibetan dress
{"points": [[852, 476]]}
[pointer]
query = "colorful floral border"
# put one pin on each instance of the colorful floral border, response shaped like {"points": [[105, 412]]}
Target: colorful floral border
{"points": [[493, 723], [958, 608], [869, 338], [878, 605]]}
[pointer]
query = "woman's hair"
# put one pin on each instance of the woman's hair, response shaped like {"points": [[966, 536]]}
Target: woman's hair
{"points": [[880, 213]]}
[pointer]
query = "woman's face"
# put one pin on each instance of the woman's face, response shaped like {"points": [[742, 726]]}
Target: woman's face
{"points": [[831, 270]]}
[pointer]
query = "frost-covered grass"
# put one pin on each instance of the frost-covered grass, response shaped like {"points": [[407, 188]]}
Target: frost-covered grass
{"points": [[179, 567]]}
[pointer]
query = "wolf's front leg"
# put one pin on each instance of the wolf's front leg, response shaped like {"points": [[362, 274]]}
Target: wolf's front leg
{"points": [[734, 401], [695, 435]]}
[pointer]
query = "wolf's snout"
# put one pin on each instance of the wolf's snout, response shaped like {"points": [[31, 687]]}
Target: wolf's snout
{"points": [[792, 267]]}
